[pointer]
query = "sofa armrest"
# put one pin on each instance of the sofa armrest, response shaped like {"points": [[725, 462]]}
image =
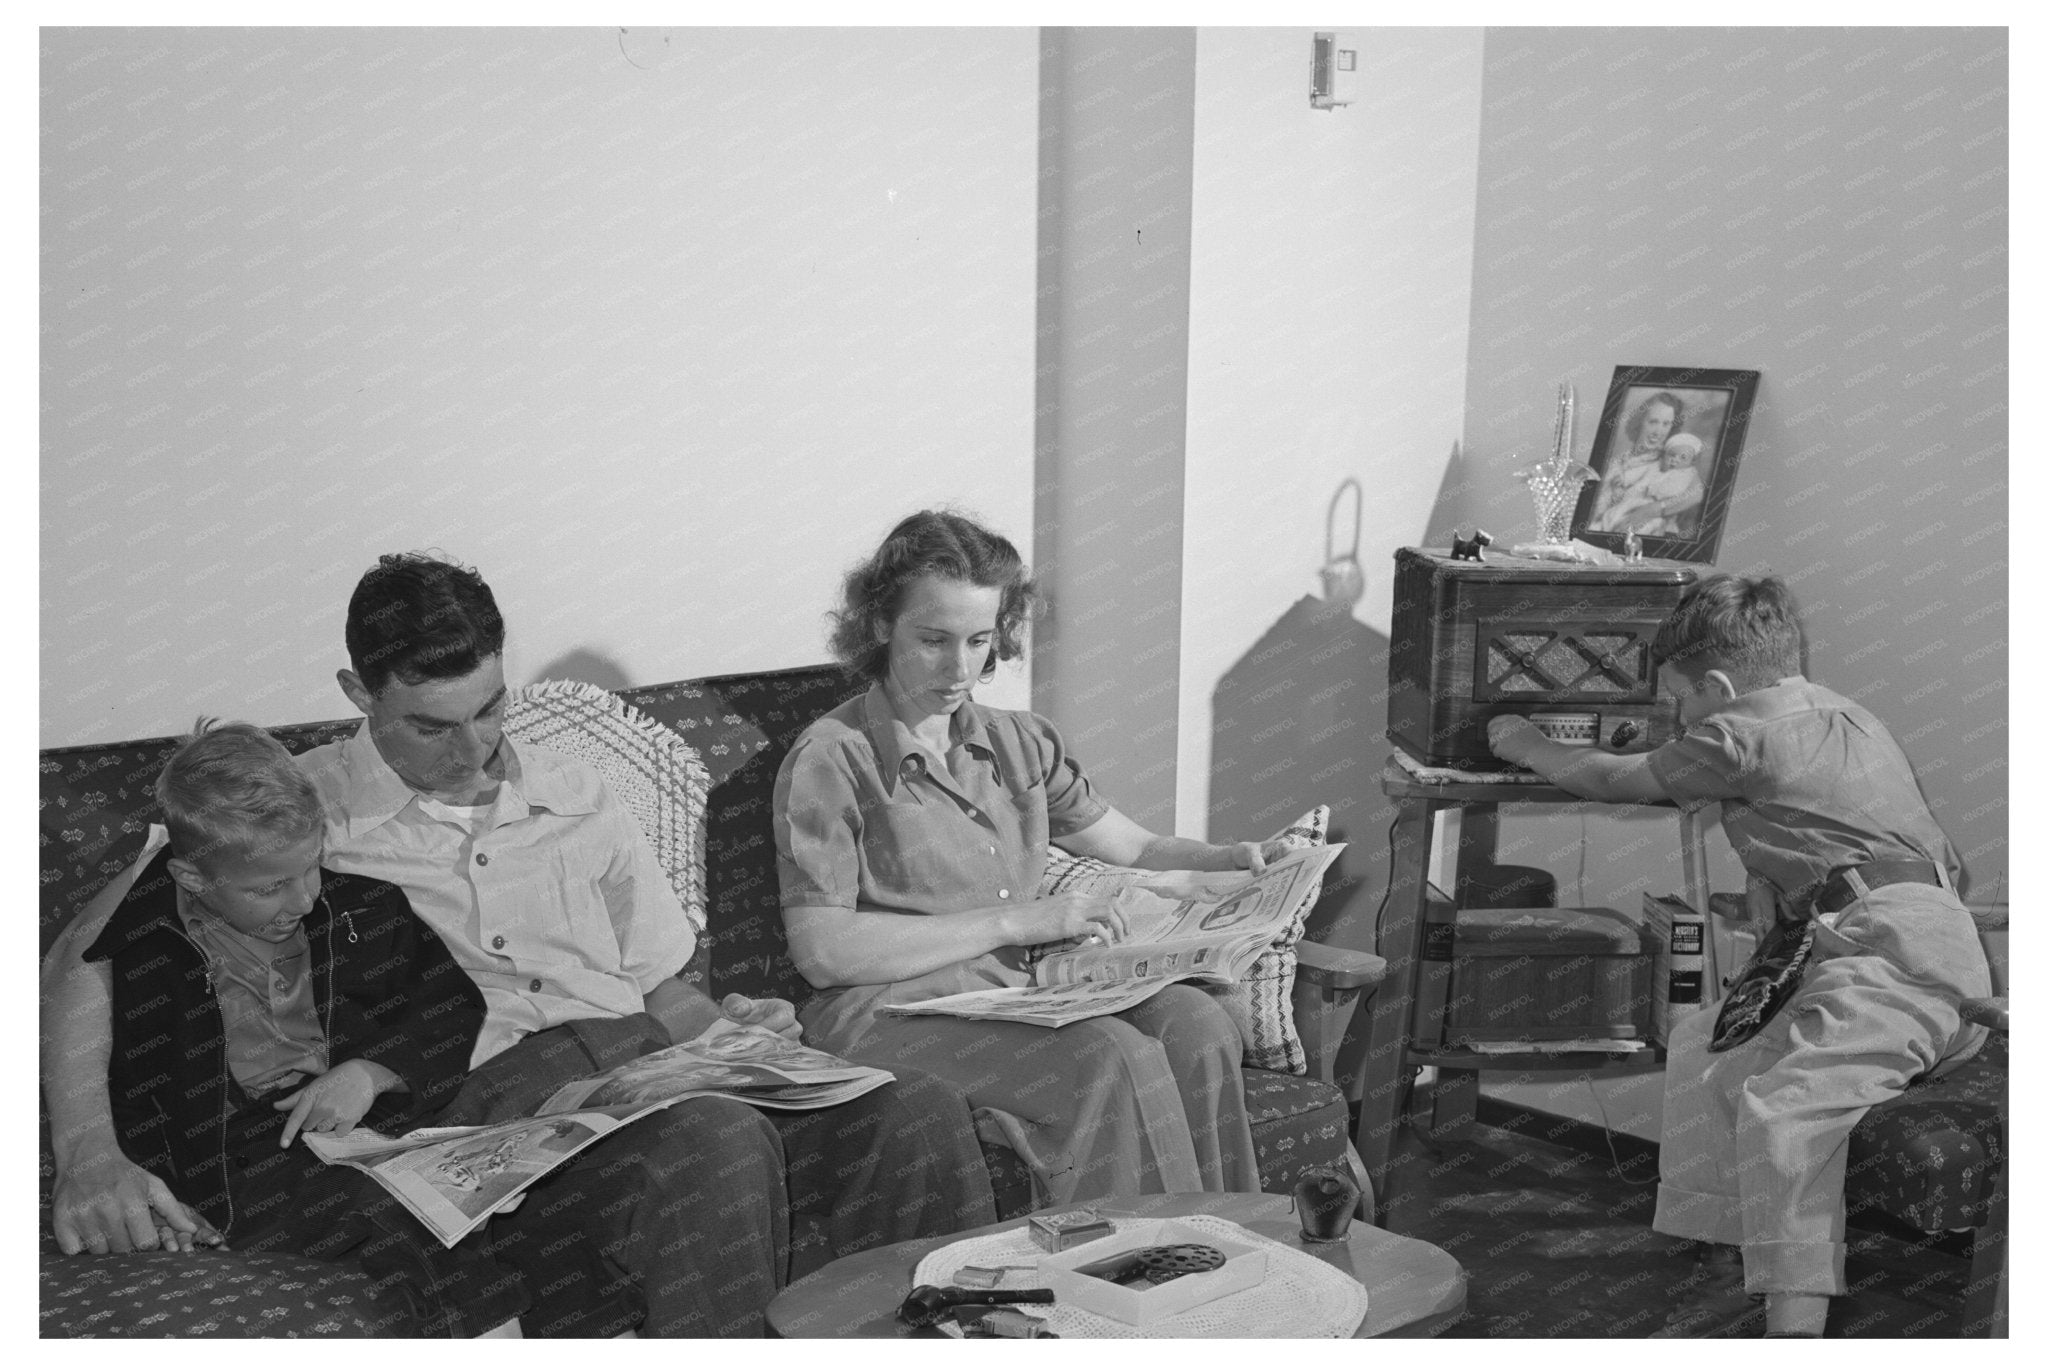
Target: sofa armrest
{"points": [[1328, 985], [1990, 1013], [1338, 968]]}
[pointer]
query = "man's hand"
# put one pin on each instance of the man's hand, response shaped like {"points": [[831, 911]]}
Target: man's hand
{"points": [[110, 1204], [334, 1101], [777, 1016]]}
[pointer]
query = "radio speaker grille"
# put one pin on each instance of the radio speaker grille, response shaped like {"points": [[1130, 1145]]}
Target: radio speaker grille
{"points": [[1568, 662]]}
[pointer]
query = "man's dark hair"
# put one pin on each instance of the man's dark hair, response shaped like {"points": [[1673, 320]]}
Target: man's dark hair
{"points": [[415, 618], [1746, 627]]}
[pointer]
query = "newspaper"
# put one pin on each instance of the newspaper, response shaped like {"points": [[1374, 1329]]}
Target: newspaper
{"points": [[454, 1178], [1180, 926]]}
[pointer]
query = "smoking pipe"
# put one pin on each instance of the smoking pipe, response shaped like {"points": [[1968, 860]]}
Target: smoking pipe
{"points": [[927, 1303]]}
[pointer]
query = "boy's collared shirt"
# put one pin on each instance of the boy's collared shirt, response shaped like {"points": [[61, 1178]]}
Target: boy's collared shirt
{"points": [[1807, 781], [549, 896], [266, 1003], [265, 993]]}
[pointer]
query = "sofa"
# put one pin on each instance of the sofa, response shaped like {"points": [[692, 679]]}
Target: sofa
{"points": [[94, 809]]}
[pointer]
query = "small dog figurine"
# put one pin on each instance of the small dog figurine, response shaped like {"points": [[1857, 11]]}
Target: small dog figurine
{"points": [[1473, 549], [1632, 547]]}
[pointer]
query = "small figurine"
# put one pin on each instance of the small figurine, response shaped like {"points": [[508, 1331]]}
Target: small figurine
{"points": [[1631, 547], [1473, 549]]}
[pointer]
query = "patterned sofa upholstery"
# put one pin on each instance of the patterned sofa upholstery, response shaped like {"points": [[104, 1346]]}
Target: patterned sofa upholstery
{"points": [[1934, 1158], [96, 804]]}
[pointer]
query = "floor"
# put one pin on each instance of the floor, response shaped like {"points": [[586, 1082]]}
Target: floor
{"points": [[1556, 1242]]}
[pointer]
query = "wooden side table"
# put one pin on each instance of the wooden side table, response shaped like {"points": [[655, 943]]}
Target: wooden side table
{"points": [[1403, 1037], [1413, 1289]]}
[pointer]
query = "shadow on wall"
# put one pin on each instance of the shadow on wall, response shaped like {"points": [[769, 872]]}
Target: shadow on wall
{"points": [[1301, 721], [588, 666]]}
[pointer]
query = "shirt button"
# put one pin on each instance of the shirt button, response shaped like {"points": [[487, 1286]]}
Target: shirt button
{"points": [[483, 860], [498, 942], [533, 985], [1003, 894], [991, 848]]}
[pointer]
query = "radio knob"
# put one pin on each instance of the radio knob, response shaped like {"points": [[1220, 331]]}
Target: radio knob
{"points": [[1625, 734]]}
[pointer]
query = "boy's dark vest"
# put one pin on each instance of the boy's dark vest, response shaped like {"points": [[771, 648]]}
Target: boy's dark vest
{"points": [[384, 988]]}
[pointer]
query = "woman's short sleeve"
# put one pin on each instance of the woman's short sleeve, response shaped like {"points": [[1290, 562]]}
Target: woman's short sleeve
{"points": [[817, 835], [1071, 803]]}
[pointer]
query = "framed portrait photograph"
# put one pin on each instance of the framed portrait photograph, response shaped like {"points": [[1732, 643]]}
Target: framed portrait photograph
{"points": [[1669, 443]]}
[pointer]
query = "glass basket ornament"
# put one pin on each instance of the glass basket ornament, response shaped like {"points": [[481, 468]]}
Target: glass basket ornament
{"points": [[1554, 486], [1555, 483]]}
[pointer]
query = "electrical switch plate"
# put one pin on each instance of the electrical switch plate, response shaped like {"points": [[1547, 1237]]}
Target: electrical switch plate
{"points": [[1333, 70]]}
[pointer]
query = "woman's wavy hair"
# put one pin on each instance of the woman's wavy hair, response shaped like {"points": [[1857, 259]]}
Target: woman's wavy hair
{"points": [[1633, 428], [930, 544]]}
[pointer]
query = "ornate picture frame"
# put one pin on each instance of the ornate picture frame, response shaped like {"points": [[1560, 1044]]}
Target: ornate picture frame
{"points": [[1668, 447]]}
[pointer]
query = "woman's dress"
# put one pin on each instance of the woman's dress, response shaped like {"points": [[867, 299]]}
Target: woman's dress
{"points": [[1150, 1100]]}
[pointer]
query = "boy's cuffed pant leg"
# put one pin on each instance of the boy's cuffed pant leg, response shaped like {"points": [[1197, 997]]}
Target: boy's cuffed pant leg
{"points": [[1863, 1024], [1697, 1192]]}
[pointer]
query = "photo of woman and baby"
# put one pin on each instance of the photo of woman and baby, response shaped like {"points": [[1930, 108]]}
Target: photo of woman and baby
{"points": [[1654, 481]]}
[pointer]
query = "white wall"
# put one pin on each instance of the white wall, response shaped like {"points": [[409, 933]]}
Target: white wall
{"points": [[1329, 320], [660, 331], [1116, 147]]}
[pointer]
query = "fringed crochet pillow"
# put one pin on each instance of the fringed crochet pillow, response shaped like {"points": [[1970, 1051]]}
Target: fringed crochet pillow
{"points": [[1262, 1004], [647, 765]]}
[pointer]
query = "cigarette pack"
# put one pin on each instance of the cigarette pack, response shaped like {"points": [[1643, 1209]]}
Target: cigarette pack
{"points": [[1059, 1231]]}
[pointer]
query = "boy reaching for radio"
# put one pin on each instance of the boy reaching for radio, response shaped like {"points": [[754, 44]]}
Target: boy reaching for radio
{"points": [[1854, 992]]}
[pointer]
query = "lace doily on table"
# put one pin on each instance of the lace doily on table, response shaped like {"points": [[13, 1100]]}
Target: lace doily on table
{"points": [[1300, 1296], [1422, 773]]}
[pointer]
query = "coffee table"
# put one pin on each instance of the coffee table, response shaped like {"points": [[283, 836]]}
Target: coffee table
{"points": [[1413, 1289]]}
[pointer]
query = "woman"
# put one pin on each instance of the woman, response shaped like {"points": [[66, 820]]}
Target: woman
{"points": [[1656, 418], [911, 831]]}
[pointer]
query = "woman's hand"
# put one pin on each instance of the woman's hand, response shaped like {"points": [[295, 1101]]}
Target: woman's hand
{"points": [[333, 1101], [1077, 917], [1254, 857]]}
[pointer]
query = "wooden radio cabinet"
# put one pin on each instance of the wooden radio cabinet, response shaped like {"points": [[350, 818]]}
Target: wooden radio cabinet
{"points": [[1567, 645]]}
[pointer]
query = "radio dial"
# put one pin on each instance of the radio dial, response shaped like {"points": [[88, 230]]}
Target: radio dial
{"points": [[1625, 734]]}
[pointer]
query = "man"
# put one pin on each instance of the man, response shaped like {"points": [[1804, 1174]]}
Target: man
{"points": [[547, 894]]}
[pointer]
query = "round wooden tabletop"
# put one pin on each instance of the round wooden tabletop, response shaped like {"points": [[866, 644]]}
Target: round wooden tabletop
{"points": [[1413, 1289]]}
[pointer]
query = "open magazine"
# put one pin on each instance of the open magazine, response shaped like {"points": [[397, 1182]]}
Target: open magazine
{"points": [[454, 1178], [1182, 925]]}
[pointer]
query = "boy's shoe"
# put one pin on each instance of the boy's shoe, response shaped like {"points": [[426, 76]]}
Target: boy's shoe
{"points": [[1718, 1255], [1715, 1305]]}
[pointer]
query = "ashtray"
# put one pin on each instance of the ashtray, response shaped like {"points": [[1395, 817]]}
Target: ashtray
{"points": [[1145, 1300]]}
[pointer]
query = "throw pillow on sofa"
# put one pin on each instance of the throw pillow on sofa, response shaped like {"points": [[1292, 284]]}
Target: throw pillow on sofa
{"points": [[1262, 1003], [657, 776]]}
